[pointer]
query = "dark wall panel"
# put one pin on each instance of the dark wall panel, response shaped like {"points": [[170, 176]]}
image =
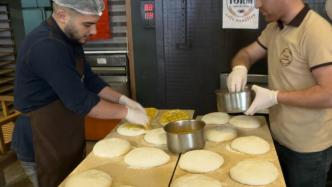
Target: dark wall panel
{"points": [[182, 66]]}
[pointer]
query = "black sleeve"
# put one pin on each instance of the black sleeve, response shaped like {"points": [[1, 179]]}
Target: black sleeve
{"points": [[92, 81]]}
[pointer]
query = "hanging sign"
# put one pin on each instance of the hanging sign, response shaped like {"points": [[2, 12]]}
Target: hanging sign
{"points": [[240, 14]]}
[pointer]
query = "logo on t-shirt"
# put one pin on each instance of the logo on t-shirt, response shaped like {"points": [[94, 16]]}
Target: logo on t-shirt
{"points": [[286, 57]]}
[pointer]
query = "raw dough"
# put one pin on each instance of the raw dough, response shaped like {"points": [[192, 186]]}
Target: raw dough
{"points": [[146, 157], [215, 118], [196, 180], [254, 172], [111, 147], [250, 145], [156, 136], [200, 161], [89, 178], [220, 133], [129, 129], [243, 121]]}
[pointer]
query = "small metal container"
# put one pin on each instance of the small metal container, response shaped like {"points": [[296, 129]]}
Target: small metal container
{"points": [[233, 102], [185, 135]]}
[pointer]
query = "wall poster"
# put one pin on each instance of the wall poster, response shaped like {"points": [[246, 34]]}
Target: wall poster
{"points": [[240, 14]]}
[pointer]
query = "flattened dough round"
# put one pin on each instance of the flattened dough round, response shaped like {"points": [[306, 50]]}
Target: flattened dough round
{"points": [[111, 147], [196, 180], [146, 157], [89, 178], [220, 133], [243, 121], [156, 136], [200, 161], [216, 118], [251, 145], [129, 129], [254, 172]]}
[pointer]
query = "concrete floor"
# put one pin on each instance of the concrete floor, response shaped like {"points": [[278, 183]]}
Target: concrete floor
{"points": [[15, 176]]}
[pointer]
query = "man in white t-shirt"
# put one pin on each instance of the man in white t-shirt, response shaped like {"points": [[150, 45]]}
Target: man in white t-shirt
{"points": [[298, 45]]}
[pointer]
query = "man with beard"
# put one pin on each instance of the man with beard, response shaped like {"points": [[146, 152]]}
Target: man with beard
{"points": [[297, 43], [55, 89]]}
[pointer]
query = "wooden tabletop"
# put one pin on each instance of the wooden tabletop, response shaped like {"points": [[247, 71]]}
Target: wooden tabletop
{"points": [[162, 176], [231, 158]]}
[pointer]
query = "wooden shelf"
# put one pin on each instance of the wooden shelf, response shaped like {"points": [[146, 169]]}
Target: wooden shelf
{"points": [[7, 71], [5, 29], [6, 88], [6, 63], [7, 80], [6, 54]]}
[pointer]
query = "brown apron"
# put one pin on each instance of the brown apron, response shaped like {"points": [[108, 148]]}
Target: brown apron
{"points": [[58, 139]]}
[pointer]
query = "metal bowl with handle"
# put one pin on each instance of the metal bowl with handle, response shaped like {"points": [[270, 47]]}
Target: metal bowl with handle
{"points": [[233, 102], [185, 135]]}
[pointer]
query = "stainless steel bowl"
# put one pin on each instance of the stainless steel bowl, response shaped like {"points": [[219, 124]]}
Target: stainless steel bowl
{"points": [[185, 135], [233, 102]]}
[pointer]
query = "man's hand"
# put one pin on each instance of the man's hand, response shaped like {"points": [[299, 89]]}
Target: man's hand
{"points": [[124, 100], [237, 79], [264, 99], [136, 116]]}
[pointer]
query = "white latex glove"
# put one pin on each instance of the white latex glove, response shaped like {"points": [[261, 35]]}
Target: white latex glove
{"points": [[264, 99], [237, 79], [136, 116], [124, 100]]}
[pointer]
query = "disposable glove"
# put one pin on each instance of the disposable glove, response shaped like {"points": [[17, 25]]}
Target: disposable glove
{"points": [[136, 116], [124, 100], [237, 79], [264, 99]]}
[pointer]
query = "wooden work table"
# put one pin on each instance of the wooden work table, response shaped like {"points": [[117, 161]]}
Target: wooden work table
{"points": [[162, 176]]}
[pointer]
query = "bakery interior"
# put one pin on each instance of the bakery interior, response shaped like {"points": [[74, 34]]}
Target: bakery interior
{"points": [[170, 56]]}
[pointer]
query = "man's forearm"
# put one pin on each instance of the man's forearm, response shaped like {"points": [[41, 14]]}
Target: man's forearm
{"points": [[314, 97], [107, 110], [109, 94], [241, 58]]}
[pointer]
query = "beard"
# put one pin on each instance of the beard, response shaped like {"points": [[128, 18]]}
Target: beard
{"points": [[73, 34]]}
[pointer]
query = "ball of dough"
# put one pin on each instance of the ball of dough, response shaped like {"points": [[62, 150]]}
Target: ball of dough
{"points": [[89, 178], [216, 118], [251, 145], [242, 121], [254, 172], [111, 147], [128, 129], [200, 161], [156, 136], [196, 180], [220, 133], [146, 157]]}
